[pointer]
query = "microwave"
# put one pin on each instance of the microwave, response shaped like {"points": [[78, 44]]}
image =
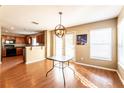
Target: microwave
{"points": [[10, 42]]}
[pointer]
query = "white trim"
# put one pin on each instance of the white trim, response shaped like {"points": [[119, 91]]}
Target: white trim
{"points": [[29, 62], [99, 67], [100, 58], [122, 80], [122, 65]]}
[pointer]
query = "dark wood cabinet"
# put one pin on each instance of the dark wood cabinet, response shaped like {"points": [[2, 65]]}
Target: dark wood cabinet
{"points": [[3, 52], [4, 38], [10, 37], [20, 40], [19, 51], [40, 38]]}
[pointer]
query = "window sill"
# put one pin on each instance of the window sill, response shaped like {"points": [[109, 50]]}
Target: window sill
{"points": [[102, 59]]}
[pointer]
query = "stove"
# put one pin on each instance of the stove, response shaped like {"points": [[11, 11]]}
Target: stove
{"points": [[10, 50], [9, 46]]}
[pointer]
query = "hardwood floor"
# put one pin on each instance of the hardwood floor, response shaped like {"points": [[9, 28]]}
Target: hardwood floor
{"points": [[10, 62], [99, 77], [33, 76]]}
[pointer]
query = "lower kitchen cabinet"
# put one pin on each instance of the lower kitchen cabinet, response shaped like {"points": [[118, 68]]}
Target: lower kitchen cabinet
{"points": [[19, 51], [3, 52]]}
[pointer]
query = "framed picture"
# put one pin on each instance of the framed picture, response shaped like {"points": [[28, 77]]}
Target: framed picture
{"points": [[81, 39]]}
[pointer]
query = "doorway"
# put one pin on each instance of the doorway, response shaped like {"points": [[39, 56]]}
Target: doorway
{"points": [[69, 45], [65, 46], [59, 46]]}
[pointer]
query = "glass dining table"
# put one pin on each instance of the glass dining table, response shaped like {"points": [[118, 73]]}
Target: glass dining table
{"points": [[61, 60]]}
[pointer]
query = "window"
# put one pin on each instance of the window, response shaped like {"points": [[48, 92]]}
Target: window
{"points": [[69, 45], [101, 44], [59, 46]]}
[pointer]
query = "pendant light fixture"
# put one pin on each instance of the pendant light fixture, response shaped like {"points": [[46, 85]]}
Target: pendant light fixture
{"points": [[60, 29]]}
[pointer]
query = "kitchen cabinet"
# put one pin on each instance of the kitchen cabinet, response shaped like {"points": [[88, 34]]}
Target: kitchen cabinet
{"points": [[4, 38], [19, 51], [10, 37], [3, 52], [40, 38], [20, 40]]}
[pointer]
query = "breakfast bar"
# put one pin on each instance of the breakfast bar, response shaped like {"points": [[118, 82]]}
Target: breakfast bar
{"points": [[34, 54]]}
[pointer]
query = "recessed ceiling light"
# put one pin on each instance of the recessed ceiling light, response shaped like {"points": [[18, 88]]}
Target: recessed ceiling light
{"points": [[12, 28], [36, 23]]}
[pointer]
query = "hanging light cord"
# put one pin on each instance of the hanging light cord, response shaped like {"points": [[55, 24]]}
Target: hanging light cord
{"points": [[60, 29], [60, 17]]}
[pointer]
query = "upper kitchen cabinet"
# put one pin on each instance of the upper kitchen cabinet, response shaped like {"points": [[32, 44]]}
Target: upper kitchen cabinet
{"points": [[20, 40], [41, 38], [6, 37], [17, 39], [10, 37]]}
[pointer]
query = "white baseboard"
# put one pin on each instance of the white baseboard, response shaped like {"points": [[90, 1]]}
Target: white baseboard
{"points": [[35, 61], [122, 80], [99, 67]]}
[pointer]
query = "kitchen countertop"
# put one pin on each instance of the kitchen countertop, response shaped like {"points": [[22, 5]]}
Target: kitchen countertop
{"points": [[28, 46], [24, 46], [33, 45], [20, 47]]}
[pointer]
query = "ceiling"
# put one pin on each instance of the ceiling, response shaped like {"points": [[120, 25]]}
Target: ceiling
{"points": [[18, 18]]}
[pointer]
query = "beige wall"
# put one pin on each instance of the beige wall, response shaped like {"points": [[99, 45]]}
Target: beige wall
{"points": [[83, 51], [120, 18], [48, 43]]}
